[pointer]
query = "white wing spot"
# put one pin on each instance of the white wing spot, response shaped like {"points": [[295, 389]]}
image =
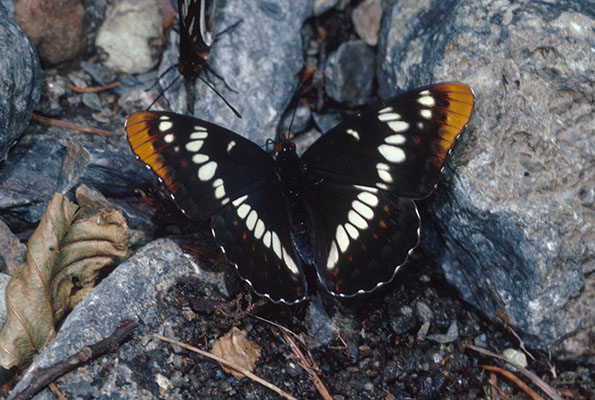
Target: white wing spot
{"points": [[398, 126], [198, 135], [342, 238], [366, 189], [382, 186], [177, 149], [427, 101], [207, 171], [363, 209], [424, 93], [239, 200], [420, 126], [266, 240], [277, 245], [352, 231], [389, 117], [427, 114], [333, 256], [200, 158], [368, 198], [385, 110], [392, 153], [251, 220], [230, 145], [395, 139], [243, 210], [385, 176], [225, 201], [357, 220], [165, 125], [353, 133], [199, 128], [169, 137], [194, 146], [219, 188], [259, 229], [289, 262]]}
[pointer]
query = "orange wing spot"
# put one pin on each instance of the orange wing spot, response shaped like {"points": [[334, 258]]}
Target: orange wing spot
{"points": [[350, 259], [386, 208], [364, 247], [375, 236], [417, 140], [235, 222], [383, 224], [244, 236], [457, 112]]}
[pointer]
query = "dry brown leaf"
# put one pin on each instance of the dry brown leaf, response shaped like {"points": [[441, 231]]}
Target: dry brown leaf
{"points": [[236, 348], [64, 256]]}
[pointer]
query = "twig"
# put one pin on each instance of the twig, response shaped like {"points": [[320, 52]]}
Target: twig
{"points": [[522, 385], [547, 389], [91, 89], [229, 365], [68, 125], [308, 366], [43, 376]]}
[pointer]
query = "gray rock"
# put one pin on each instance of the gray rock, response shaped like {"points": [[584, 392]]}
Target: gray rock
{"points": [[131, 46], [49, 160], [322, 6], [20, 81], [451, 335], [349, 73], [513, 222], [259, 60], [145, 278]]}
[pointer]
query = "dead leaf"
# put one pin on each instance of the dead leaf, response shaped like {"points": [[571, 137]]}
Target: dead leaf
{"points": [[64, 257], [236, 348]]}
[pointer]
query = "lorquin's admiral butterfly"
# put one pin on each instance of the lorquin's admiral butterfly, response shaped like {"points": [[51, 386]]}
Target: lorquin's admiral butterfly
{"points": [[196, 35], [345, 206]]}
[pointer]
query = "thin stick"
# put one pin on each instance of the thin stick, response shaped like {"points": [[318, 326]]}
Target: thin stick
{"points": [[229, 365], [308, 366], [522, 385], [69, 125], [44, 376], [91, 89], [547, 389]]}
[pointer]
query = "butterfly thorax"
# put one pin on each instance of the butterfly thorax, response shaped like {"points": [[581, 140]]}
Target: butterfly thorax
{"points": [[291, 175]]}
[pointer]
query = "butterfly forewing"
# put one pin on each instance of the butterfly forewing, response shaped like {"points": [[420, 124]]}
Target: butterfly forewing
{"points": [[364, 235], [253, 231], [204, 166], [399, 145]]}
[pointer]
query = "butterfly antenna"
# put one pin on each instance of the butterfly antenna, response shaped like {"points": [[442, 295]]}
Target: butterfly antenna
{"points": [[164, 90], [294, 102], [220, 96]]}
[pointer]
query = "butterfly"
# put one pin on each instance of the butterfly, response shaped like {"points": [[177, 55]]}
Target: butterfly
{"points": [[346, 206], [196, 35]]}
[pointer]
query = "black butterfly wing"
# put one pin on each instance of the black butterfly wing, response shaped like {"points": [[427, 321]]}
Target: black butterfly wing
{"points": [[399, 145], [211, 171], [254, 232], [363, 235], [204, 166], [196, 23]]}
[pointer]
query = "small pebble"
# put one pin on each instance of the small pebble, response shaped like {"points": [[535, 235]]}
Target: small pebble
{"points": [[366, 19], [516, 357]]}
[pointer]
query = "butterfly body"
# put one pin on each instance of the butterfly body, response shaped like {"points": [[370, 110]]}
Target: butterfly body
{"points": [[345, 207], [196, 35]]}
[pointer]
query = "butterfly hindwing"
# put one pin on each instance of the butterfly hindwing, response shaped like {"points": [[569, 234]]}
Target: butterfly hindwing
{"points": [[204, 166], [400, 144], [363, 236], [253, 231]]}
